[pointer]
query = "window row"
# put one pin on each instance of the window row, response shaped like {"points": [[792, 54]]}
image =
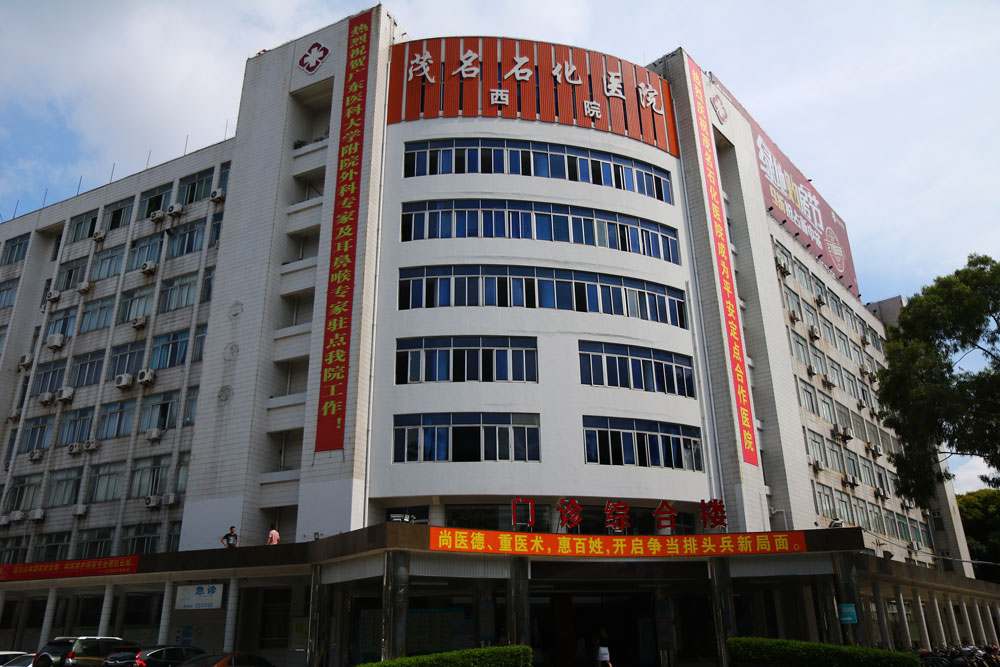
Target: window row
{"points": [[115, 419], [466, 359], [641, 442], [465, 436], [149, 476], [527, 287], [498, 218], [835, 504], [135, 539], [533, 158], [633, 367], [842, 417]]}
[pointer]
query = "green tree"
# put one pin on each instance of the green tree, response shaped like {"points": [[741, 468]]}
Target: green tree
{"points": [[980, 512], [929, 400]]}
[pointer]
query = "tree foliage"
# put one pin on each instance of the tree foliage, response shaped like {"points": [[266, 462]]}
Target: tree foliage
{"points": [[980, 512], [928, 399]]}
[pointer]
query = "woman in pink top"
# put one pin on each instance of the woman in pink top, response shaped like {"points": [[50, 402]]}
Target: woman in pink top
{"points": [[273, 537]]}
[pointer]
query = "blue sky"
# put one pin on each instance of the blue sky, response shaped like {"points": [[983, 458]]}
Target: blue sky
{"points": [[886, 106]]}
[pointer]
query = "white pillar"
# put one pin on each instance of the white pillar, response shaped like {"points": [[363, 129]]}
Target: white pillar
{"points": [[231, 605], [883, 618], [988, 618], [956, 636], [965, 619], [50, 612], [168, 604], [106, 604], [904, 627], [918, 616], [977, 619], [941, 638]]}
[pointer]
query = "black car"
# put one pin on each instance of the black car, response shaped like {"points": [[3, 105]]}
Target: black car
{"points": [[153, 656]]}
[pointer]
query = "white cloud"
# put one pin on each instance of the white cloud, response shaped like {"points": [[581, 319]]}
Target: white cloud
{"points": [[967, 470]]}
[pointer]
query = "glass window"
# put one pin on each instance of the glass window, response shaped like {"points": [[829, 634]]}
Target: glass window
{"points": [[178, 292], [195, 187], [49, 377], [445, 437], [145, 249], [51, 547], [126, 358], [143, 538], [169, 350], [62, 322], [157, 199], [71, 273], [149, 476], [107, 263], [75, 426], [207, 283], [106, 481], [135, 303], [95, 543], [118, 214], [8, 290], [198, 353], [37, 433], [186, 238], [183, 461], [116, 419], [97, 314], [82, 226], [190, 406], [15, 249], [64, 486], [159, 411]]}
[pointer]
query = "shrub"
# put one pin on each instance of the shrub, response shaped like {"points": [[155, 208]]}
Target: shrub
{"points": [[781, 652], [493, 656]]}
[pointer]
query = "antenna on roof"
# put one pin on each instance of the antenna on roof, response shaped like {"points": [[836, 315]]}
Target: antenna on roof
{"points": [[148, 155], [78, 184], [185, 144], [225, 131], [45, 197], [112, 172], [16, 204]]}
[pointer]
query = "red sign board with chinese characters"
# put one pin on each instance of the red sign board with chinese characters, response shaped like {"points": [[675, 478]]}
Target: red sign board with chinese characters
{"points": [[616, 546], [720, 243], [89, 567], [800, 206], [330, 427], [506, 78]]}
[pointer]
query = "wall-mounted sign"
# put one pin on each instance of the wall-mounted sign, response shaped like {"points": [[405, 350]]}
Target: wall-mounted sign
{"points": [[199, 596], [509, 78], [313, 57], [86, 567]]}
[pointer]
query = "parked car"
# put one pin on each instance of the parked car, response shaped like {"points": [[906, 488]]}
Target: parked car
{"points": [[23, 660], [237, 659], [7, 656], [77, 651], [153, 656]]}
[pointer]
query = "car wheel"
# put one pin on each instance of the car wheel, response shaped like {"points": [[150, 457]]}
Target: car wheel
{"points": [[42, 661]]}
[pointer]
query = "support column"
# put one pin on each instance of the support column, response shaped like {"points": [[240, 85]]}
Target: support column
{"points": [[980, 638], [318, 639], [340, 630], [832, 613], [995, 608], [22, 619], [918, 616], [3, 600], [395, 602], [991, 630], [964, 608], [904, 627], [846, 573], [485, 614], [779, 612], [663, 615], [106, 604], [883, 623], [869, 628], [941, 638], [518, 602], [955, 635], [50, 612], [168, 605], [120, 614], [722, 607], [232, 604]]}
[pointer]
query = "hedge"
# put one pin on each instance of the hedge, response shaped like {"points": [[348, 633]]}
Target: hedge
{"points": [[782, 652], [493, 656]]}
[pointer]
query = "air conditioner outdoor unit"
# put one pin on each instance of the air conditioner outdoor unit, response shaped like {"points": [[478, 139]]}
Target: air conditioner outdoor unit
{"points": [[813, 332], [156, 216], [65, 394], [4, 520], [148, 268], [881, 493], [175, 209], [79, 510], [846, 433], [55, 341], [154, 435], [152, 502], [36, 514], [850, 480], [25, 362], [811, 370], [864, 341], [169, 499], [36, 455], [139, 322], [98, 235], [46, 398], [219, 194], [913, 546], [861, 405], [123, 381], [878, 450], [855, 480], [794, 317], [75, 448], [83, 287], [820, 301], [17, 515], [15, 414], [782, 267], [827, 382], [91, 446], [147, 376], [907, 505], [52, 295], [817, 465]]}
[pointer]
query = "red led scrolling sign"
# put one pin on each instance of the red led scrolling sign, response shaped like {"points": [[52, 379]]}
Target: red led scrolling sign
{"points": [[332, 413], [720, 243], [88, 567]]}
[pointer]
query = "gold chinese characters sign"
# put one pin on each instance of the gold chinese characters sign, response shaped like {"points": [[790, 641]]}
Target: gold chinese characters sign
{"points": [[612, 546], [727, 284], [330, 425], [490, 77]]}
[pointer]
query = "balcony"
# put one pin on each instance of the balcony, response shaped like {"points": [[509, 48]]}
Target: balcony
{"points": [[291, 343], [285, 413], [298, 277], [305, 216], [279, 489]]}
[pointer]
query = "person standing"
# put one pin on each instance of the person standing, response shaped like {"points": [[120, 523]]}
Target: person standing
{"points": [[230, 540], [603, 655], [273, 538]]}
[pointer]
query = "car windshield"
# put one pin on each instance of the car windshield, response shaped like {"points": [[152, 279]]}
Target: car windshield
{"points": [[20, 661], [62, 646], [93, 648]]}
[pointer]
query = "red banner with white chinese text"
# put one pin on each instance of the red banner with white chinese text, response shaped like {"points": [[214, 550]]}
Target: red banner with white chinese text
{"points": [[334, 366], [88, 567], [614, 546], [727, 285]]}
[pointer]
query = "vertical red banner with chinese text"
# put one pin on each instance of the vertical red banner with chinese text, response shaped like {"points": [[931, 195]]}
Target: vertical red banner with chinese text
{"points": [[334, 367], [727, 285]]}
